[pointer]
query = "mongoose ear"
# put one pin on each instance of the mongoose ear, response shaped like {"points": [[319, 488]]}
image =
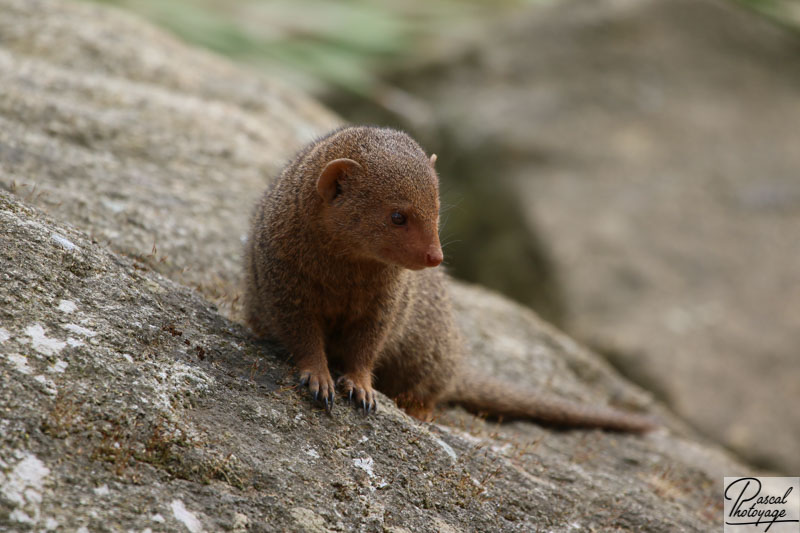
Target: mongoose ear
{"points": [[433, 159], [334, 172]]}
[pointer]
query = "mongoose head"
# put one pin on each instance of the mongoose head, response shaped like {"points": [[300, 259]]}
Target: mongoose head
{"points": [[382, 200]]}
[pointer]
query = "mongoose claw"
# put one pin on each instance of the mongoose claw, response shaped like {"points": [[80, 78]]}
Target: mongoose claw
{"points": [[360, 391], [371, 407], [320, 387], [328, 400]]}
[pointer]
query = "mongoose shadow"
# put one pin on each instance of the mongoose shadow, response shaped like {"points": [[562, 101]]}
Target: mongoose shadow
{"points": [[341, 269]]}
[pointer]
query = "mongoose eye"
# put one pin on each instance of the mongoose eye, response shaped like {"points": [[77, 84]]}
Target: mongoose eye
{"points": [[398, 218]]}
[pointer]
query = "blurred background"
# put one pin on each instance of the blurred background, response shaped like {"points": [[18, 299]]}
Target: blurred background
{"points": [[627, 168]]}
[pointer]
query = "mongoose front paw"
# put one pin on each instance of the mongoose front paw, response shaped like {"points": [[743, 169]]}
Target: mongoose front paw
{"points": [[320, 385], [360, 389]]}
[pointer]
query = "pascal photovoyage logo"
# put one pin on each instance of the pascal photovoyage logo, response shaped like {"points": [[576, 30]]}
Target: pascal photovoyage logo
{"points": [[763, 504]]}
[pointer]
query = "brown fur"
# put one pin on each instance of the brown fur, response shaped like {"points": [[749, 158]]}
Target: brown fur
{"points": [[333, 277]]}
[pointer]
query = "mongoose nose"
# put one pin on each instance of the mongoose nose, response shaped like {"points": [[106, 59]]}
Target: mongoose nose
{"points": [[434, 257]]}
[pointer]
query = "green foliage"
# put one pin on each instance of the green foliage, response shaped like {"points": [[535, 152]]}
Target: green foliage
{"points": [[786, 12], [315, 43]]}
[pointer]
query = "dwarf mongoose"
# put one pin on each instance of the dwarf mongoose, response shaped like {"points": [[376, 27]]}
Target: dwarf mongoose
{"points": [[339, 269]]}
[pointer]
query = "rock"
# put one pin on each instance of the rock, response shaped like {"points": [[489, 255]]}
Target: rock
{"points": [[654, 145], [128, 401]]}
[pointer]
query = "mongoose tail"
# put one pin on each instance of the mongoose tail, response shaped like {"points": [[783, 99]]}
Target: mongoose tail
{"points": [[487, 395]]}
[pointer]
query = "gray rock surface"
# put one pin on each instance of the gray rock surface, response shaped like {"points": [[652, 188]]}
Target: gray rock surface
{"points": [[129, 401], [655, 147], [136, 145]]}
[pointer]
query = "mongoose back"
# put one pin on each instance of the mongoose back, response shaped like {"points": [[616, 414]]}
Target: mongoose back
{"points": [[339, 268]]}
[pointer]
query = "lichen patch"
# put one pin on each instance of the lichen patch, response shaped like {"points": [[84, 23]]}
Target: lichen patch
{"points": [[186, 517], [19, 362], [63, 242], [80, 330], [67, 306], [22, 487], [41, 342]]}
